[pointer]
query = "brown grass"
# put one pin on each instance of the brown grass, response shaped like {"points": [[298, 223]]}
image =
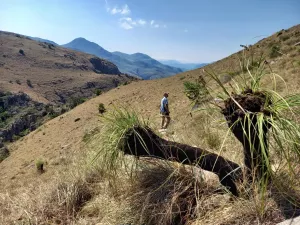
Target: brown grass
{"points": [[54, 74]]}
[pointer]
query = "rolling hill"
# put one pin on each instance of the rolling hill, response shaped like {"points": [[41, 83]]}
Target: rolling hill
{"points": [[137, 64], [55, 74], [62, 144]]}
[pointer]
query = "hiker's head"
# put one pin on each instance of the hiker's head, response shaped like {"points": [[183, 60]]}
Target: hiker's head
{"points": [[166, 95]]}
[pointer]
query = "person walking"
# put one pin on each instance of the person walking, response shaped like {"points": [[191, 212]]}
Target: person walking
{"points": [[165, 112]]}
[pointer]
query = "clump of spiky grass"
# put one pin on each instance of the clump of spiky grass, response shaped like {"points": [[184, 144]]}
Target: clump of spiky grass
{"points": [[113, 136], [166, 193], [273, 124]]}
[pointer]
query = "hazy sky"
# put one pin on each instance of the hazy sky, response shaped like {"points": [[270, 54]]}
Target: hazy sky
{"points": [[186, 30]]}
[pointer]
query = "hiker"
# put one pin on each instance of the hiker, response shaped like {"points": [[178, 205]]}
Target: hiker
{"points": [[164, 111]]}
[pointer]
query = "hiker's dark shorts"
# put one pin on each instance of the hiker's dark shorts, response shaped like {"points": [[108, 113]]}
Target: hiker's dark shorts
{"points": [[165, 113]]}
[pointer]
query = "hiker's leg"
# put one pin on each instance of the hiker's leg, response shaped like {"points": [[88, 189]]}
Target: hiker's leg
{"points": [[162, 121], [168, 121]]}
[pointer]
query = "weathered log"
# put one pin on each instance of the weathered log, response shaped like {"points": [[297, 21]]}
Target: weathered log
{"points": [[143, 142]]}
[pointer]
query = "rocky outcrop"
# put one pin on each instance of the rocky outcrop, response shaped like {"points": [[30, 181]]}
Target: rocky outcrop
{"points": [[103, 66], [27, 122], [19, 115]]}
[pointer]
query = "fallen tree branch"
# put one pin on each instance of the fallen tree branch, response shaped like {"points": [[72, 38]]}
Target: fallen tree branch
{"points": [[143, 142]]}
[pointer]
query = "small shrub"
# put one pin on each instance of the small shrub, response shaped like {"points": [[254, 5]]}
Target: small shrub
{"points": [[21, 51], [4, 153], [75, 101], [182, 78], [40, 165], [18, 82], [4, 115], [90, 134], [51, 112], [98, 92], [274, 52], [15, 137], [63, 110], [284, 37], [101, 108], [29, 83], [24, 132], [196, 91]]}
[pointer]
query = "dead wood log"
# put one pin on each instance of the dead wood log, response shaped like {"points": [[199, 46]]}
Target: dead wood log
{"points": [[143, 142]]}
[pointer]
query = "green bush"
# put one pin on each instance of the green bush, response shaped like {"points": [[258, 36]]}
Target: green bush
{"points": [[75, 101], [40, 165], [4, 115], [29, 83], [24, 132], [274, 52], [196, 91], [284, 37], [98, 92], [101, 108], [4, 153]]}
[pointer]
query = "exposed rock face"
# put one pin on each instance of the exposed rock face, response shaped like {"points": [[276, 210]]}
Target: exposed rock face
{"points": [[18, 126], [18, 114], [103, 66]]}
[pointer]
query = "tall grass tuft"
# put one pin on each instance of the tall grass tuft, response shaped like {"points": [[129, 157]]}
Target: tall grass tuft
{"points": [[112, 137], [262, 119]]}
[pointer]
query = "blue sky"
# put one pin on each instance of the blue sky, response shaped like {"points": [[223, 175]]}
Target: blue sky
{"points": [[185, 30]]}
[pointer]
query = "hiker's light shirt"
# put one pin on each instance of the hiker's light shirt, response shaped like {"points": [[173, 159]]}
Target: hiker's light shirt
{"points": [[163, 103]]}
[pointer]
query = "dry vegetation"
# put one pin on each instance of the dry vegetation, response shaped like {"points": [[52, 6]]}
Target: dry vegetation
{"points": [[52, 74], [77, 188]]}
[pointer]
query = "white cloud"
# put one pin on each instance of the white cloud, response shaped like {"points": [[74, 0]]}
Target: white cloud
{"points": [[116, 10], [142, 22], [125, 10], [129, 23], [126, 25], [157, 25]]}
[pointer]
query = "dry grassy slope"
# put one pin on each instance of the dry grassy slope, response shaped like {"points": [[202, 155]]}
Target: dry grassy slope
{"points": [[288, 62], [53, 71], [61, 138]]}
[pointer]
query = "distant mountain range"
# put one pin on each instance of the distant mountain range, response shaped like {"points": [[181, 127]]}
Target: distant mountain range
{"points": [[137, 64], [183, 66]]}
